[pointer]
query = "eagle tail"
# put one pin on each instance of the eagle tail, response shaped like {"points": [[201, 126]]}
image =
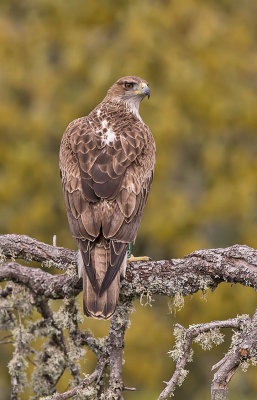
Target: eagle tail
{"points": [[95, 304]]}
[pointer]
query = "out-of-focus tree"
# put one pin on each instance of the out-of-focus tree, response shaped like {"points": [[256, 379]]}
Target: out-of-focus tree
{"points": [[58, 59]]}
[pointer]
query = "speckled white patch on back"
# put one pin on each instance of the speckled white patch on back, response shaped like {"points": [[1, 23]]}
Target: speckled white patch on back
{"points": [[109, 136], [104, 123]]}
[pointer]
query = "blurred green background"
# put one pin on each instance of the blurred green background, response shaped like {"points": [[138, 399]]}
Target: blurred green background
{"points": [[57, 59]]}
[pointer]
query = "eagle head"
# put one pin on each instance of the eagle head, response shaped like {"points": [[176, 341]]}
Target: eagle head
{"points": [[130, 89]]}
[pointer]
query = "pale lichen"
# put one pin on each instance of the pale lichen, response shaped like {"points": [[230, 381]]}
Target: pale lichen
{"points": [[20, 334], [89, 393], [72, 270], [244, 365], [50, 366], [22, 299], [7, 315], [148, 301], [182, 376], [177, 303], [178, 350], [113, 392], [75, 352], [48, 264], [61, 318], [207, 339], [13, 255], [205, 283], [121, 316], [3, 257], [250, 358], [235, 338], [17, 369]]}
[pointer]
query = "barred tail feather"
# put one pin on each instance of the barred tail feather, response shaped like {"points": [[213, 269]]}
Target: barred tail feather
{"points": [[101, 307]]}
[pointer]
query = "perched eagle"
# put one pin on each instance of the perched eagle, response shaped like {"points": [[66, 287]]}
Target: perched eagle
{"points": [[107, 160]]}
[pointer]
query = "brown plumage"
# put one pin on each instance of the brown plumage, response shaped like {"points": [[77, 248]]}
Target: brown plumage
{"points": [[106, 161]]}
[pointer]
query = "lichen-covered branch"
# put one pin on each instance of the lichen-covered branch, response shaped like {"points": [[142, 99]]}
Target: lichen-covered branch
{"points": [[30, 288], [204, 334], [242, 352], [115, 345], [84, 383], [197, 271], [26, 248], [41, 282]]}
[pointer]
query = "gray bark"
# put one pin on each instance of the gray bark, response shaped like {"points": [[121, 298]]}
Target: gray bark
{"points": [[200, 270]]}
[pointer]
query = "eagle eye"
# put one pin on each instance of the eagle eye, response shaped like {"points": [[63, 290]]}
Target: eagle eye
{"points": [[128, 85]]}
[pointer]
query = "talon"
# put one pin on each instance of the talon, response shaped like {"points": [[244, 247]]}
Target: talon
{"points": [[135, 259]]}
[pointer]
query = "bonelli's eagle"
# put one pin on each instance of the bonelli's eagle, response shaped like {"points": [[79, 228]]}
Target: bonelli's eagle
{"points": [[107, 160]]}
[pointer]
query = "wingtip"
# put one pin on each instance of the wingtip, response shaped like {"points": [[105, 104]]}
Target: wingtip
{"points": [[97, 316]]}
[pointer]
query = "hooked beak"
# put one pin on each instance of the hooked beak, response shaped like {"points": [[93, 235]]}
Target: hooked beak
{"points": [[145, 90]]}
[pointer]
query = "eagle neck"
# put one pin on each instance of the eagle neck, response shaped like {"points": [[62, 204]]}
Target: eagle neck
{"points": [[130, 105], [133, 107]]}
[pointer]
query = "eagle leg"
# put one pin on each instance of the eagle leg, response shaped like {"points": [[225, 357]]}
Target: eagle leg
{"points": [[135, 259], [131, 258]]}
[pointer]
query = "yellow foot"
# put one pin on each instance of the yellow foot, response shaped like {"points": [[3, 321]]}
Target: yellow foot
{"points": [[134, 259]]}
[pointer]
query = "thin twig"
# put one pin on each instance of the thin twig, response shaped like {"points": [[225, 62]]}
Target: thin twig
{"points": [[32, 362], [54, 240], [5, 337], [130, 389], [20, 343], [7, 342], [84, 383]]}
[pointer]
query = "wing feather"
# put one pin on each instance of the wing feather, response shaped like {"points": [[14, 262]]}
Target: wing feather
{"points": [[112, 219]]}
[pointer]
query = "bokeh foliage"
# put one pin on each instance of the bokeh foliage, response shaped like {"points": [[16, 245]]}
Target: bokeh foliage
{"points": [[58, 58]]}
